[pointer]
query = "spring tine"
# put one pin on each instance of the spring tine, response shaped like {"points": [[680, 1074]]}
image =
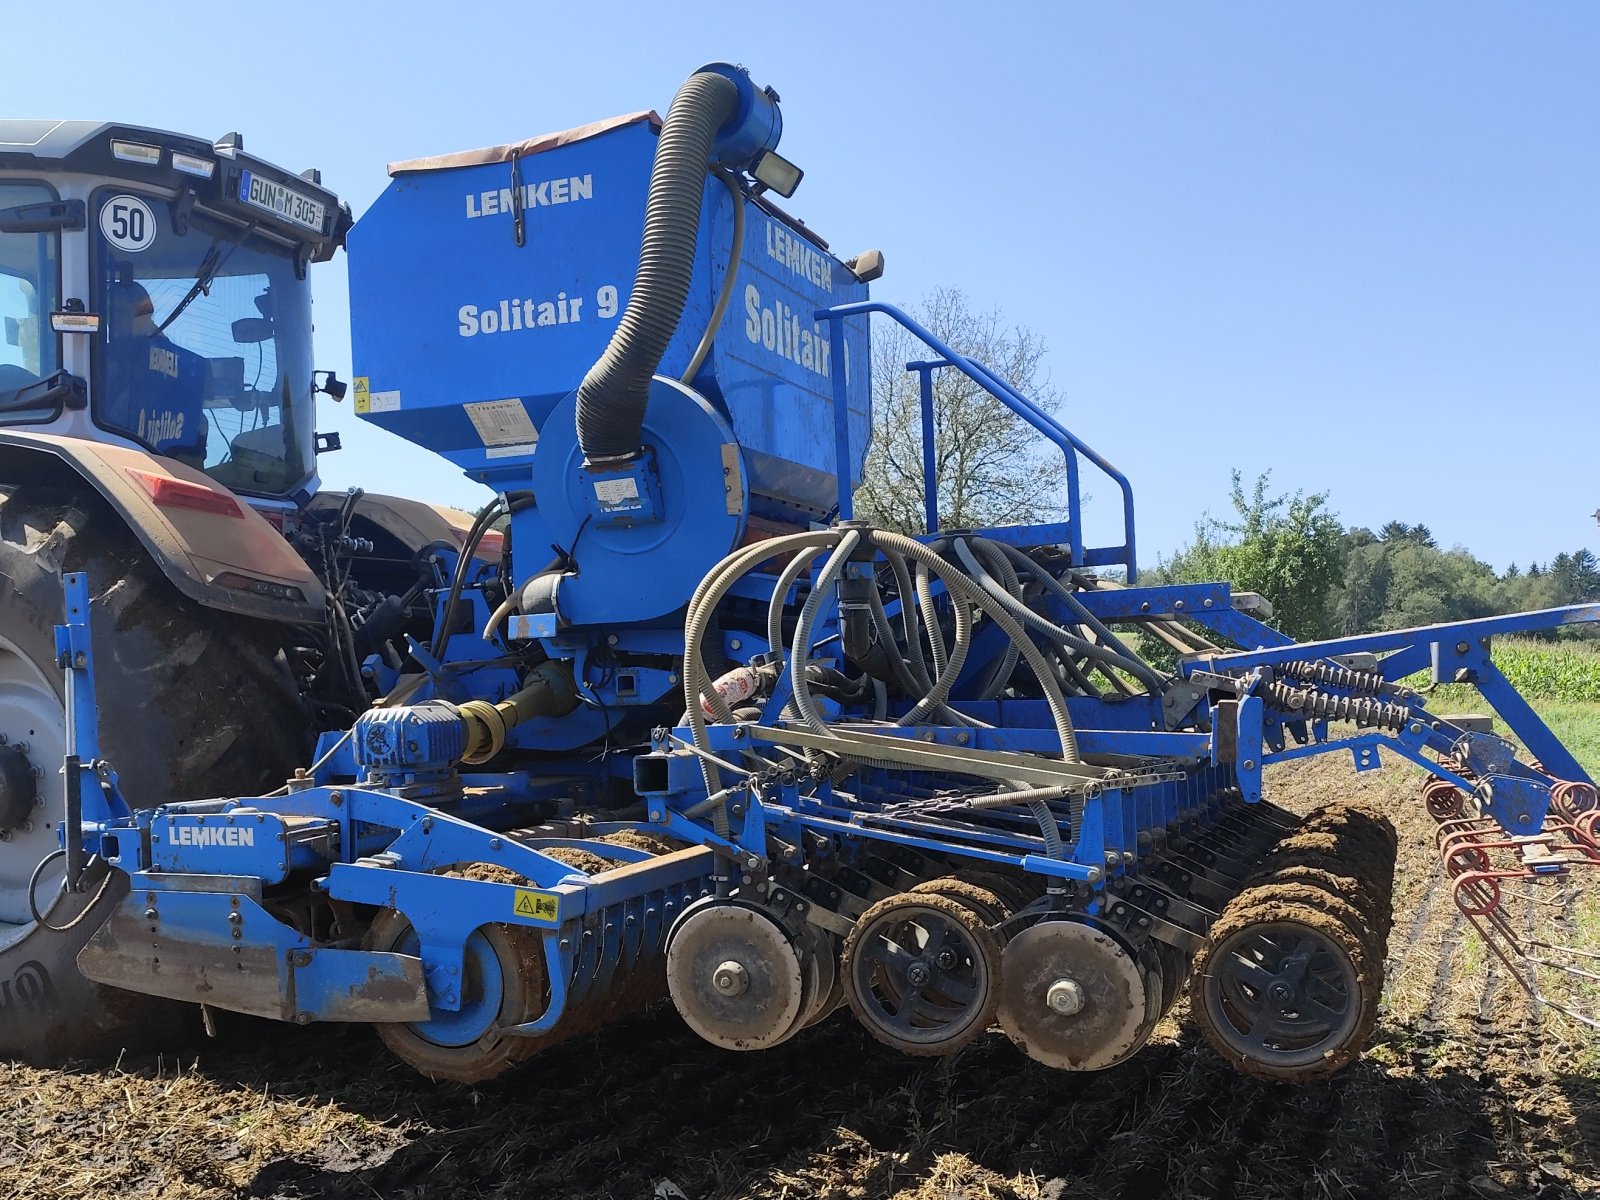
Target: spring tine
{"points": [[1563, 968], [611, 946], [583, 967], [1529, 897], [1559, 949]]}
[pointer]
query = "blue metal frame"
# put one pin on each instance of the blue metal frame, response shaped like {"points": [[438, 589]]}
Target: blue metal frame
{"points": [[1070, 445]]}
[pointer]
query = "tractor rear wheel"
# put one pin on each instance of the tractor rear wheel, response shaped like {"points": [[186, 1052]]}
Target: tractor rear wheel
{"points": [[193, 703]]}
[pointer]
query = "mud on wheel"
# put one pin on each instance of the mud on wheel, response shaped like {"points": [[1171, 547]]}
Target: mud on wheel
{"points": [[192, 703], [922, 972], [1284, 992], [503, 983]]}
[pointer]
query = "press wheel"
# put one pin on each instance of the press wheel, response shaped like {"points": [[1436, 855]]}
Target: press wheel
{"points": [[921, 973]]}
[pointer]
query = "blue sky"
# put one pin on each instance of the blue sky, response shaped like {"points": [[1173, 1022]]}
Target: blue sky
{"points": [[1357, 244]]}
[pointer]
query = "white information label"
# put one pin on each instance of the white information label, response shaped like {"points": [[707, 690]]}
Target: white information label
{"points": [[509, 451], [612, 492], [502, 422], [128, 223], [383, 402]]}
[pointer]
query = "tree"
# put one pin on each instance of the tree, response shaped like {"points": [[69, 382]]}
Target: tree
{"points": [[1576, 576], [1359, 600], [1399, 531], [1288, 548], [993, 467]]}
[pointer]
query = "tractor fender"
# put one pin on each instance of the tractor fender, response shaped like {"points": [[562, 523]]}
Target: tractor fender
{"points": [[211, 544], [412, 522]]}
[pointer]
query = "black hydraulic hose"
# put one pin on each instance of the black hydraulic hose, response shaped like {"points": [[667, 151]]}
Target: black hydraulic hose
{"points": [[613, 395], [469, 548], [1135, 664], [1109, 652]]}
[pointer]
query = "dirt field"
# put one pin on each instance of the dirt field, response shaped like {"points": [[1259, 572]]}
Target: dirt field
{"points": [[1465, 1092]]}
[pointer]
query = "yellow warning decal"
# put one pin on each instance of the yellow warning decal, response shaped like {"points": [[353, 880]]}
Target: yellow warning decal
{"points": [[363, 392], [541, 906]]}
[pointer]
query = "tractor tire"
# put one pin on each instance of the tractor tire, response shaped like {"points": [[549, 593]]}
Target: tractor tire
{"points": [[193, 703]]}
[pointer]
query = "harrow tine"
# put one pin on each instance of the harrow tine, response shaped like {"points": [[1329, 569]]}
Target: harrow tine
{"points": [[1483, 860]]}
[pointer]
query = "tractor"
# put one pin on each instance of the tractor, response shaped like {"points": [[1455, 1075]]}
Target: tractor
{"points": [[157, 396]]}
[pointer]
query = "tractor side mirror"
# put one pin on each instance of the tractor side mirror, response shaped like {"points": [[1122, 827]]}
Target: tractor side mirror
{"points": [[248, 331], [332, 386], [47, 216]]}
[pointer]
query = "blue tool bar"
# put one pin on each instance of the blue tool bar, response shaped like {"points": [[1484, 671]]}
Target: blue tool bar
{"points": [[1399, 639], [1064, 439]]}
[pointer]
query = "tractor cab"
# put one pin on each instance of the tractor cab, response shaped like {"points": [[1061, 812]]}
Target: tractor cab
{"points": [[154, 290]]}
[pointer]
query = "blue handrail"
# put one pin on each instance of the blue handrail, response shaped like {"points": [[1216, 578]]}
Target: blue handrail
{"points": [[1064, 439]]}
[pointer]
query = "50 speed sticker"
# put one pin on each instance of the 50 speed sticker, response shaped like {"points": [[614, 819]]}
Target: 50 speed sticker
{"points": [[128, 223]]}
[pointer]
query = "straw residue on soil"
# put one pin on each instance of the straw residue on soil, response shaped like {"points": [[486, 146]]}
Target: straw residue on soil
{"points": [[1466, 1092]]}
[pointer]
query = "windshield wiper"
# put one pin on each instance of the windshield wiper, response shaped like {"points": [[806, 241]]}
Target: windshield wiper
{"points": [[213, 262]]}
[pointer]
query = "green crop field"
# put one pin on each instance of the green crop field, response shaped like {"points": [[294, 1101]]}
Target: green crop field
{"points": [[1564, 671], [1560, 679]]}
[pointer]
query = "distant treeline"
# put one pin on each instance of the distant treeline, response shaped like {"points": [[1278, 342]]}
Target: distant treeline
{"points": [[1325, 580]]}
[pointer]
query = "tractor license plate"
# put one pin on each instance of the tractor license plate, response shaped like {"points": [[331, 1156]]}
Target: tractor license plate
{"points": [[281, 201]]}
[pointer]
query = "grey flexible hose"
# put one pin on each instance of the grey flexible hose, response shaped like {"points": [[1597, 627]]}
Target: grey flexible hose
{"points": [[938, 696], [1009, 588], [910, 618], [613, 395], [800, 650], [701, 606], [930, 620], [964, 588], [795, 568]]}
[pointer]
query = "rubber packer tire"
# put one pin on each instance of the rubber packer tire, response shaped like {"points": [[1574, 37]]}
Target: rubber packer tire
{"points": [[193, 703], [1338, 937], [524, 995]]}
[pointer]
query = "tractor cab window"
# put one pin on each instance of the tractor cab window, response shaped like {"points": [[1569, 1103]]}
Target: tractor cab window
{"points": [[204, 351], [29, 276]]}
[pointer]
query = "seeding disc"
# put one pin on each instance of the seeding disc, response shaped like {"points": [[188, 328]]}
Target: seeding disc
{"points": [[736, 977], [1072, 963], [1174, 974], [824, 986]]}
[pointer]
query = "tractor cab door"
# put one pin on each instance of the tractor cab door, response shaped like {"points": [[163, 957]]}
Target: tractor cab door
{"points": [[30, 274]]}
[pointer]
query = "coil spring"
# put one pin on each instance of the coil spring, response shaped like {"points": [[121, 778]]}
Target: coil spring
{"points": [[1304, 702], [1442, 798], [1572, 798], [1365, 683]]}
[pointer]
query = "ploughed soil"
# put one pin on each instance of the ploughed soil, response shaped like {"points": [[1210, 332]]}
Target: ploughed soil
{"points": [[1466, 1091]]}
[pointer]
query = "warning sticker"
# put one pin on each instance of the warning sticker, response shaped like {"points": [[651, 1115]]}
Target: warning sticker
{"points": [[615, 493], [383, 402], [541, 906], [502, 422], [361, 388]]}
